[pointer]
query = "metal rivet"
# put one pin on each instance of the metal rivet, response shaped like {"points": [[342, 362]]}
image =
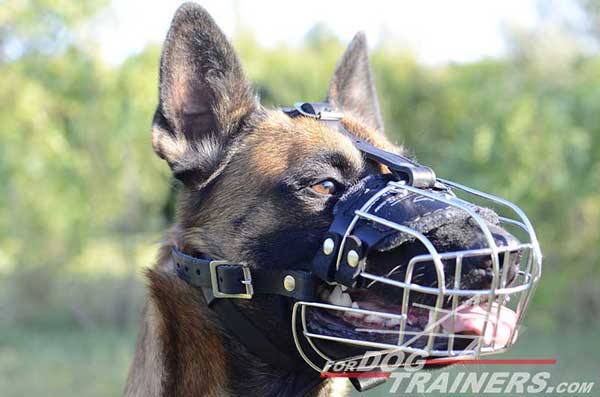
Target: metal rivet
{"points": [[353, 258], [289, 283], [328, 246]]}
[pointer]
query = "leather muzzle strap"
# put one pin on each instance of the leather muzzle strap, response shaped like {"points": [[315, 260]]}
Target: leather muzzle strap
{"points": [[237, 281], [219, 279]]}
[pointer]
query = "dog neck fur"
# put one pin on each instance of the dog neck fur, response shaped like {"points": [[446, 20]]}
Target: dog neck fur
{"points": [[182, 349]]}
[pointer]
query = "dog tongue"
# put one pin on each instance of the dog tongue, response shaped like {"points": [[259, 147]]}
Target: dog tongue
{"points": [[472, 319]]}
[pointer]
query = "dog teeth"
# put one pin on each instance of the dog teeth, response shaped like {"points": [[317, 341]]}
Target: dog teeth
{"points": [[392, 322], [335, 296], [346, 300], [339, 298], [355, 305], [343, 287]]}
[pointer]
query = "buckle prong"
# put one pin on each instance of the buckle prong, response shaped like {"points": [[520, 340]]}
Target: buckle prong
{"points": [[247, 281]]}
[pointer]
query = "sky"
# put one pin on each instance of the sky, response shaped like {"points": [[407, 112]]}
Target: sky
{"points": [[436, 32]]}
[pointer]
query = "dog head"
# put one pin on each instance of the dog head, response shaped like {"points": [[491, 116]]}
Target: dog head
{"points": [[259, 187]]}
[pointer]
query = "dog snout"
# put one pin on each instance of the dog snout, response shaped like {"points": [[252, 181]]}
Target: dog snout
{"points": [[477, 271]]}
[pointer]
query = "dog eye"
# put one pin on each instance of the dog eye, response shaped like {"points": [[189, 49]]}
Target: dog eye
{"points": [[326, 187]]}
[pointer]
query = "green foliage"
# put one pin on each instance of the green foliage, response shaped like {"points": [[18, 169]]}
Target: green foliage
{"points": [[84, 196]]}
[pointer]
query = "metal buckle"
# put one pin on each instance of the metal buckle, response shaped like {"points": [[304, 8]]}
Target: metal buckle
{"points": [[247, 281], [325, 114]]}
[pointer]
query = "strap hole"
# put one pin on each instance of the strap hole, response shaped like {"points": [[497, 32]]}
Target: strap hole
{"points": [[198, 272], [186, 269], [178, 265]]}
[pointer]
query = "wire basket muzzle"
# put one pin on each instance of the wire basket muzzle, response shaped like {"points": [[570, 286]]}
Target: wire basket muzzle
{"points": [[442, 315]]}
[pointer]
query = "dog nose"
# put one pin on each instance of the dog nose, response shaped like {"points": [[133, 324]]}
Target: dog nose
{"points": [[395, 225], [456, 234], [477, 270]]}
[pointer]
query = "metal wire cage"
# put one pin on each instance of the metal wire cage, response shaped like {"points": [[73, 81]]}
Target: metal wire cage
{"points": [[502, 292]]}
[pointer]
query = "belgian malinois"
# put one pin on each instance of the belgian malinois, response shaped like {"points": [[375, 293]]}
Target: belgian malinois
{"points": [[258, 188]]}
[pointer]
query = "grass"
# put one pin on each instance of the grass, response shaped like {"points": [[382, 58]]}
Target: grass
{"points": [[72, 362], [64, 363]]}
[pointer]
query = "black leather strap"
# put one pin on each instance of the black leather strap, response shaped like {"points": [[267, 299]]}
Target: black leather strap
{"points": [[256, 342], [229, 279], [237, 279], [402, 167]]}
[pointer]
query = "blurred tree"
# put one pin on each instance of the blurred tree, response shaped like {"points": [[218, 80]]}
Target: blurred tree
{"points": [[83, 193], [591, 9], [45, 26], [74, 137]]}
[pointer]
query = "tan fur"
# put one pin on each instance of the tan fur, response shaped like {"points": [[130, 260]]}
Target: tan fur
{"points": [[278, 143], [372, 136], [229, 150], [178, 326], [149, 357], [177, 330]]}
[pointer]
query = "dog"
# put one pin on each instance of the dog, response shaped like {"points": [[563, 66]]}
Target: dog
{"points": [[257, 187]]}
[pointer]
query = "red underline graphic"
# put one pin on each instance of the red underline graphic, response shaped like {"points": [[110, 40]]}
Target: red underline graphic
{"points": [[355, 374], [494, 362], [544, 361]]}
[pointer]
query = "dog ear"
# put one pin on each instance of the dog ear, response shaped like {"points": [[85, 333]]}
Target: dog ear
{"points": [[352, 87], [204, 96]]}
